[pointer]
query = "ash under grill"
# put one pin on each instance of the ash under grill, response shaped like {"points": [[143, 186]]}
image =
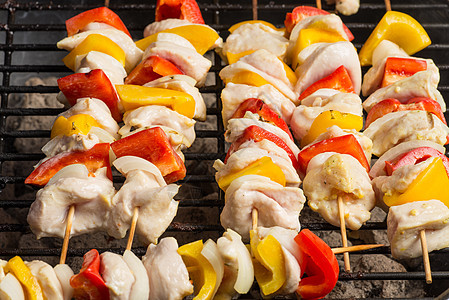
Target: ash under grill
{"points": [[28, 35]]}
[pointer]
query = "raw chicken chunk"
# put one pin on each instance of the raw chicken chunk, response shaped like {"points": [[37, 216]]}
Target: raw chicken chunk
{"points": [[117, 276], [406, 221], [47, 278], [398, 127], [98, 60], [420, 84], [330, 175], [90, 195], [169, 279], [276, 205], [345, 7]]}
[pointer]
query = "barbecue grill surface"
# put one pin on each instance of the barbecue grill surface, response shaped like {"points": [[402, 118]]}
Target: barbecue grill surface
{"points": [[28, 35]]}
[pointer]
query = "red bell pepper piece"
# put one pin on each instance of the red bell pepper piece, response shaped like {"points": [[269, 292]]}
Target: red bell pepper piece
{"points": [[392, 105], [89, 284], [397, 68], [299, 13], [415, 156], [153, 145], [179, 9], [339, 80], [258, 134], [100, 15], [94, 84], [319, 263], [95, 158], [346, 144], [259, 107], [152, 68]]}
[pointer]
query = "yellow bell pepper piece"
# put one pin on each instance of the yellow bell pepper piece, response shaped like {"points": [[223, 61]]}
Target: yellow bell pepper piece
{"points": [[235, 26], [200, 270], [263, 167], [95, 42], [80, 123], [329, 118], [269, 263], [134, 96], [201, 37], [430, 184], [399, 28], [234, 57], [311, 36], [31, 287], [249, 78]]}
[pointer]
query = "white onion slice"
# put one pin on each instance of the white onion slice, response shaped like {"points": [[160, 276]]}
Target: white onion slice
{"points": [[125, 164], [103, 135], [10, 288], [172, 190], [378, 169], [64, 273], [245, 275], [212, 254], [70, 171], [141, 286]]}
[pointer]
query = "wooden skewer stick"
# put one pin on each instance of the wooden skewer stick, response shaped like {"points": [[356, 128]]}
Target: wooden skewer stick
{"points": [[425, 256], [254, 9], [132, 230], [68, 229], [106, 3], [355, 248], [387, 5], [341, 214], [255, 217], [318, 4]]}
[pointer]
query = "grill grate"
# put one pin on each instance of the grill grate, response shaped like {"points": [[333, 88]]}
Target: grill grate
{"points": [[15, 17]]}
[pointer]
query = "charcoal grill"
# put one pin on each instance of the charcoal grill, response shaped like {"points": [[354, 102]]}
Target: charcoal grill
{"points": [[25, 24]]}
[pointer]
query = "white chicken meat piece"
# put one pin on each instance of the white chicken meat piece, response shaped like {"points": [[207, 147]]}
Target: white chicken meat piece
{"points": [[159, 26], [97, 60], [398, 181], [246, 156], [228, 72], [64, 143], [418, 85], [256, 36], [47, 279], [117, 276], [235, 256], [189, 61], [10, 288], [292, 269], [345, 7], [330, 175], [407, 220], [182, 83], [304, 114], [132, 52], [269, 63], [156, 115], [167, 273], [324, 60], [335, 131], [64, 273], [276, 205], [175, 39], [96, 109], [236, 127], [149, 192], [233, 95], [48, 213], [401, 126], [373, 78], [96, 26]]}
